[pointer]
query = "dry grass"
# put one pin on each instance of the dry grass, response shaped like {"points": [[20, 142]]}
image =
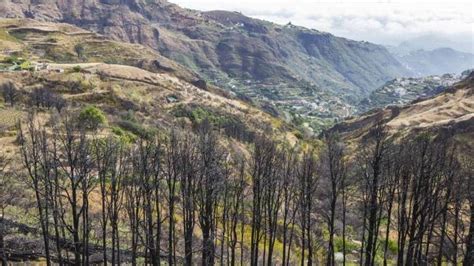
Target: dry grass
{"points": [[443, 109], [9, 118]]}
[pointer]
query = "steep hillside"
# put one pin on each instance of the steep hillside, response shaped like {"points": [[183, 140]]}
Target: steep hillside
{"points": [[434, 62], [119, 78], [451, 111], [268, 62], [64, 43], [60, 71]]}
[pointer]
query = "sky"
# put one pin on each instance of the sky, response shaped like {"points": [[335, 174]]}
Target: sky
{"points": [[425, 24]]}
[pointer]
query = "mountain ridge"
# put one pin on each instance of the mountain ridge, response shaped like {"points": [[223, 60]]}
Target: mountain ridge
{"points": [[260, 59], [434, 62]]}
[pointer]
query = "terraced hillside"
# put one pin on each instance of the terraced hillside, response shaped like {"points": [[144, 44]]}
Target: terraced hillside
{"points": [[85, 68], [401, 91], [305, 73]]}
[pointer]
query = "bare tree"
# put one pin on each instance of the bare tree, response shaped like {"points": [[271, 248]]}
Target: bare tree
{"points": [[334, 170], [188, 168], [7, 195], [272, 201], [235, 204], [262, 165], [32, 144], [133, 206], [147, 164], [290, 202], [10, 92], [210, 180], [371, 163], [43, 97], [171, 175], [111, 166], [76, 164], [308, 183], [468, 166]]}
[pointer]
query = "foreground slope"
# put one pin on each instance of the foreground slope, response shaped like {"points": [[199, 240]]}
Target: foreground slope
{"points": [[140, 93]]}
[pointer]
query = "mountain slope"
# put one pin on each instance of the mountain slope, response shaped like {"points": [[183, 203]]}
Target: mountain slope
{"points": [[265, 61], [46, 73], [158, 92], [452, 110]]}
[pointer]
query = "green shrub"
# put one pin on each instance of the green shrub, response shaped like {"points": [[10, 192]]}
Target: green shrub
{"points": [[26, 65], [350, 246], [392, 246], [230, 124], [124, 136], [91, 117], [136, 129], [198, 114], [76, 69]]}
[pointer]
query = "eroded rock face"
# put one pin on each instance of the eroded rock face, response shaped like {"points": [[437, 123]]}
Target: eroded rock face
{"points": [[118, 19]]}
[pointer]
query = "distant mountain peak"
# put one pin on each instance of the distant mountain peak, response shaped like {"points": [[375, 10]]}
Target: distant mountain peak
{"points": [[433, 62]]}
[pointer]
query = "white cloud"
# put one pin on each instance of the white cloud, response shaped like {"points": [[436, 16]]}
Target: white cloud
{"points": [[386, 21]]}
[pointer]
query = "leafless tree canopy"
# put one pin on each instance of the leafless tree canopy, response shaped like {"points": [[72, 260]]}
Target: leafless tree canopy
{"points": [[183, 198]]}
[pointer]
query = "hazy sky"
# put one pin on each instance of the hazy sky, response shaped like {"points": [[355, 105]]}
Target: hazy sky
{"points": [[438, 23]]}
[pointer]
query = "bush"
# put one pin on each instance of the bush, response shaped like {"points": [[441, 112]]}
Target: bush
{"points": [[350, 246], [45, 98], [10, 92], [79, 49], [91, 118], [198, 114], [26, 66], [124, 136], [79, 86], [231, 125], [136, 129], [392, 246], [76, 69]]}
